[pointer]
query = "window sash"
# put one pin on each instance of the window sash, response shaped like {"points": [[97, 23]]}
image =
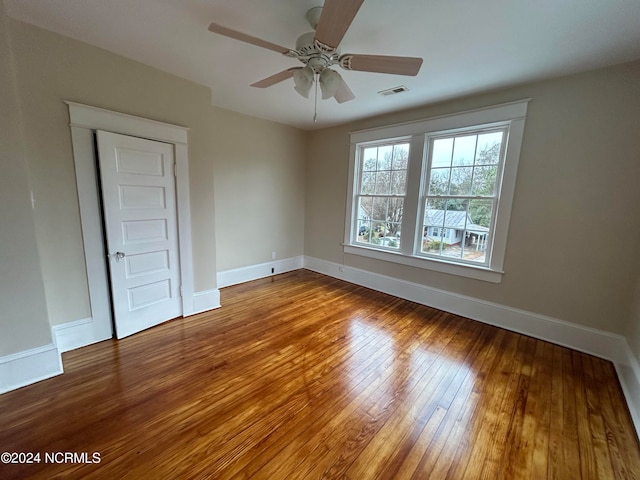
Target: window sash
{"points": [[392, 194], [378, 225], [473, 165]]}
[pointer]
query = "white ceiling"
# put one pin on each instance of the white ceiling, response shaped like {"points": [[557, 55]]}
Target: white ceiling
{"points": [[468, 46]]}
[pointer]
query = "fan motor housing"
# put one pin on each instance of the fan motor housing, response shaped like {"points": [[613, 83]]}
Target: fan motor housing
{"points": [[308, 52], [305, 43]]}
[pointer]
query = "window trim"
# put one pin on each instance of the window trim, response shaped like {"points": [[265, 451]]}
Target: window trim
{"points": [[512, 114]]}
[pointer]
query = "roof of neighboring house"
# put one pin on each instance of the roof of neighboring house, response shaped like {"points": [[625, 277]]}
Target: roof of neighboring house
{"points": [[452, 219]]}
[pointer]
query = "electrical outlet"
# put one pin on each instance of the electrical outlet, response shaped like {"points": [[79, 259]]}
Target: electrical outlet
{"points": [[273, 255]]}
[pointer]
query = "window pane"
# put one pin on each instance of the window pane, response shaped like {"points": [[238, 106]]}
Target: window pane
{"points": [[398, 182], [439, 183], [378, 232], [488, 150], [394, 216], [365, 208], [368, 183], [464, 150], [433, 224], [451, 246], [475, 246], [441, 154], [456, 214], [461, 181], [478, 230], [444, 227], [364, 230], [431, 211], [383, 183], [369, 159], [484, 180], [384, 170], [480, 212], [400, 156], [384, 157], [431, 244], [380, 208], [384, 229]]}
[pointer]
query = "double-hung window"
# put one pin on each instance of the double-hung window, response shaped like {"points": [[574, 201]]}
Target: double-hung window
{"points": [[461, 195], [437, 193], [381, 191]]}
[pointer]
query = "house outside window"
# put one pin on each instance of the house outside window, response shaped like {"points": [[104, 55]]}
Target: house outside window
{"points": [[437, 193]]}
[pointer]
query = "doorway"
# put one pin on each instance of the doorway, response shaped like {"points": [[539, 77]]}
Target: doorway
{"points": [[85, 121]]}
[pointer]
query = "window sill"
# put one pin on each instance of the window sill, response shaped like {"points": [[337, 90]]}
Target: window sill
{"points": [[469, 271]]}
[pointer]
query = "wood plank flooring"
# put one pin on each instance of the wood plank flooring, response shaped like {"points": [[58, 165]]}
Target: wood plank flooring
{"points": [[301, 376]]}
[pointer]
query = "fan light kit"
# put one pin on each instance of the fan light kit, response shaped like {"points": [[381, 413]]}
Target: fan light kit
{"points": [[318, 51]]}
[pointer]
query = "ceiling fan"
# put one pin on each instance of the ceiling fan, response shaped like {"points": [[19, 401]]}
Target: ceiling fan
{"points": [[318, 51]]}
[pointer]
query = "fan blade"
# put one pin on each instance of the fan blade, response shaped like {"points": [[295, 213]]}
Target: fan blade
{"points": [[277, 78], [344, 93], [381, 64], [243, 37], [335, 19]]}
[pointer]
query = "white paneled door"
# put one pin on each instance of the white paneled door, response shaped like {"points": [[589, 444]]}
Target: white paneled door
{"points": [[139, 202]]}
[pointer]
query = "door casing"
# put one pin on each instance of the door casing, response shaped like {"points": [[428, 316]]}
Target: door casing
{"points": [[84, 120]]}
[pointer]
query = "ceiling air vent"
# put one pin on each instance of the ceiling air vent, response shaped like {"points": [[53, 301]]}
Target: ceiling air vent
{"points": [[393, 91]]}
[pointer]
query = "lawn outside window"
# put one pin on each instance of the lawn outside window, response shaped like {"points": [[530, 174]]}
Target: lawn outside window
{"points": [[437, 193]]}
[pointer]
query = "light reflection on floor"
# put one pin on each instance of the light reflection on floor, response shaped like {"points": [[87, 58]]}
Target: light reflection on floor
{"points": [[419, 382]]}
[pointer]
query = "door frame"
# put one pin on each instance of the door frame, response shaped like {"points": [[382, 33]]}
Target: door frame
{"points": [[84, 121]]}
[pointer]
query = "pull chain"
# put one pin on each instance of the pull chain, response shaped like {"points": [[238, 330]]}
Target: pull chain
{"points": [[315, 107]]}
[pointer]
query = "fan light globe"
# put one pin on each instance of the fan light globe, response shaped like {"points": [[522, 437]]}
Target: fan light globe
{"points": [[303, 80], [330, 81]]}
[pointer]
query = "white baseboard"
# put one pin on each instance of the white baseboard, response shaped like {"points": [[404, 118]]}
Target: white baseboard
{"points": [[71, 335], [584, 339], [29, 366], [206, 300], [629, 375], [262, 270]]}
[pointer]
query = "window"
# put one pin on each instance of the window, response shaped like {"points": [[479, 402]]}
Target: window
{"points": [[437, 193], [380, 194], [461, 194]]}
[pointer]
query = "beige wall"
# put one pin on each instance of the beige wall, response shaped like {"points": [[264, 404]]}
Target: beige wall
{"points": [[258, 165], [573, 238], [23, 310], [259, 190]]}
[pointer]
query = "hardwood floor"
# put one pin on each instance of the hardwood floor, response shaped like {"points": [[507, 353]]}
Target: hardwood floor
{"points": [[305, 376]]}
